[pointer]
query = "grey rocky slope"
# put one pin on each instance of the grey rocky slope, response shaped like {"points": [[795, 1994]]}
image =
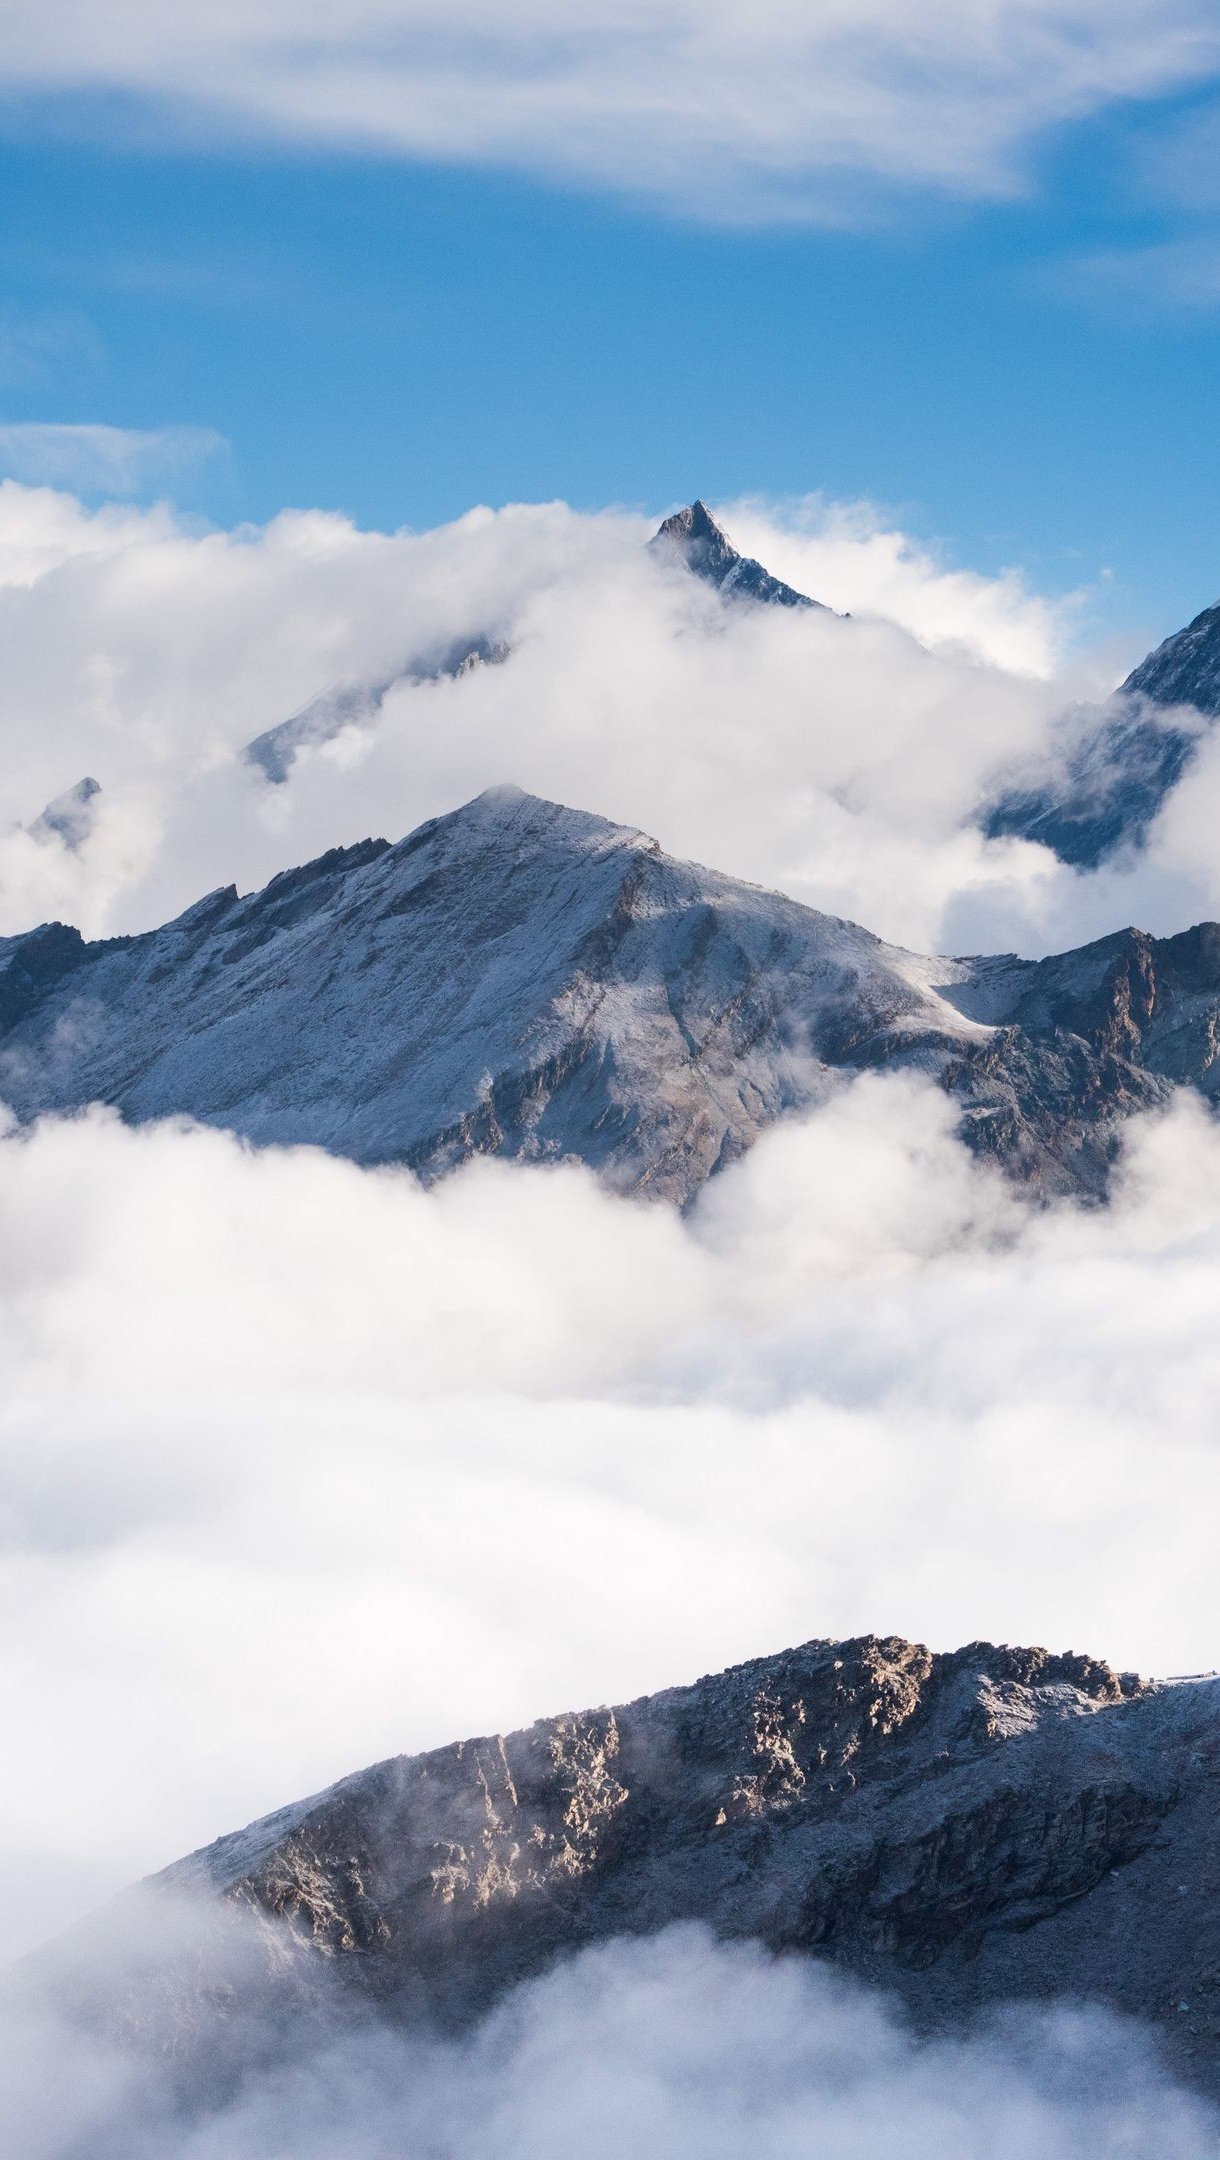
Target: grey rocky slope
{"points": [[1117, 765], [524, 980], [963, 1829]]}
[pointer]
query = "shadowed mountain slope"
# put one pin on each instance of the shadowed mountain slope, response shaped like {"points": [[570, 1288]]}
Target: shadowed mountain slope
{"points": [[358, 704], [525, 980], [1119, 764]]}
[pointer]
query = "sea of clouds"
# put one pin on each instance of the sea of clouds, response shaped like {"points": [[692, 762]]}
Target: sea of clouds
{"points": [[301, 1465]]}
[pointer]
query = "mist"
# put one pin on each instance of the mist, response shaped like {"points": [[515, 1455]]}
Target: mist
{"points": [[677, 2045], [302, 1465]]}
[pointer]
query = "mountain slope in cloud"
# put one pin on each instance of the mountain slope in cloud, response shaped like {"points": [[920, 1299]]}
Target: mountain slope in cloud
{"points": [[358, 704], [524, 980], [1119, 765], [966, 1829], [69, 818], [691, 537]]}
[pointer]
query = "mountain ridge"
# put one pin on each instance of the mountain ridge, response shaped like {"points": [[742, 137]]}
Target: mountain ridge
{"points": [[962, 1828], [521, 979]]}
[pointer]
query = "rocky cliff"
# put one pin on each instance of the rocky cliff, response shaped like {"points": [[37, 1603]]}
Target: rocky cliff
{"points": [[963, 1829]]}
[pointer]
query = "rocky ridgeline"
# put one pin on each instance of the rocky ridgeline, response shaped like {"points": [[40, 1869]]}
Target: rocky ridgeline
{"points": [[962, 1829]]}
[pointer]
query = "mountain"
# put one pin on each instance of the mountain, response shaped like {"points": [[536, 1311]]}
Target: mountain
{"points": [[1118, 764], [964, 1829], [520, 979], [693, 538]]}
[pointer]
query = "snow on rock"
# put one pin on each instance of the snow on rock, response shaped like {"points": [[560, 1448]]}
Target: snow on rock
{"points": [[526, 980]]}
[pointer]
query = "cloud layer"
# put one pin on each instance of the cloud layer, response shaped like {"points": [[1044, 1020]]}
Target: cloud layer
{"points": [[679, 2047], [301, 1466], [787, 112], [841, 760]]}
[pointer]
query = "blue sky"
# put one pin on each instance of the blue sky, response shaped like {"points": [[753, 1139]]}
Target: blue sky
{"points": [[1021, 362]]}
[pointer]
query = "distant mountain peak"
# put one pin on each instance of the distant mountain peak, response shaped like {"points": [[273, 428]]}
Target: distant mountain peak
{"points": [[1185, 668], [695, 528], [703, 547]]}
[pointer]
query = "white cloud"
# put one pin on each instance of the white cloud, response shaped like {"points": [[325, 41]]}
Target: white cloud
{"points": [[783, 111], [1182, 272], [680, 2047], [854, 559], [841, 761], [837, 759], [445, 1462], [101, 460]]}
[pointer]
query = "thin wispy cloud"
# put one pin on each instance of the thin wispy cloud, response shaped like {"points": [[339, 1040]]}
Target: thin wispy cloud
{"points": [[1180, 274], [782, 112], [99, 460]]}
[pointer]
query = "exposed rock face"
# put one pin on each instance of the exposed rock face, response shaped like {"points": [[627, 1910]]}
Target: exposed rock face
{"points": [[693, 538], [963, 1829], [1120, 763], [524, 980]]}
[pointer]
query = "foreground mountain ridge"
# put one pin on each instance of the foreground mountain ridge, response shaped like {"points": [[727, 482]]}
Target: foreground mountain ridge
{"points": [[962, 1829], [520, 979]]}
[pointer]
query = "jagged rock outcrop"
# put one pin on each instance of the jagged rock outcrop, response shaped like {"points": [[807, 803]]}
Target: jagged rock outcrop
{"points": [[963, 1829], [693, 538], [1118, 765], [524, 980]]}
